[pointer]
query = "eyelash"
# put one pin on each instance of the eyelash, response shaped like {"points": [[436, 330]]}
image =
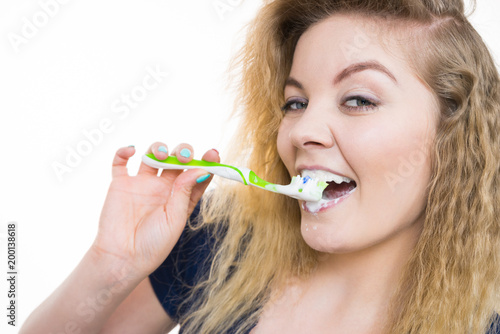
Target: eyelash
{"points": [[369, 106], [288, 104]]}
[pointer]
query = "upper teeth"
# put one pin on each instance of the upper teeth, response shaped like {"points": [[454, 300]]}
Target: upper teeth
{"points": [[322, 175]]}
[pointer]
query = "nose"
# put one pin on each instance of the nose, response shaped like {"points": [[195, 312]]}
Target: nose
{"points": [[311, 130]]}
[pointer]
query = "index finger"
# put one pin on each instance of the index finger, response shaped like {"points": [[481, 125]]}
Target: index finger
{"points": [[183, 152]]}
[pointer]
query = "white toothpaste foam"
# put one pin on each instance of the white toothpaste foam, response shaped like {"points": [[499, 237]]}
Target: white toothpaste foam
{"points": [[315, 207]]}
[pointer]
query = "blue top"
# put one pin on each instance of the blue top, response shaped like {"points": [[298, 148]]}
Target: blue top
{"points": [[188, 262]]}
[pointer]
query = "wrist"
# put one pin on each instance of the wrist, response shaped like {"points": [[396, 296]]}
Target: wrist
{"points": [[115, 271]]}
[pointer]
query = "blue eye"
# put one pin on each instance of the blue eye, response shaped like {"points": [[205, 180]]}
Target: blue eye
{"points": [[359, 103], [293, 105]]}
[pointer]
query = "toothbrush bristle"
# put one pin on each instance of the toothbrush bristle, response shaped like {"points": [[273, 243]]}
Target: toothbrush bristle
{"points": [[312, 189], [305, 188]]}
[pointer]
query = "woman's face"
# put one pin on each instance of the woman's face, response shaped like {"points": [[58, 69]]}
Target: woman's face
{"points": [[355, 109]]}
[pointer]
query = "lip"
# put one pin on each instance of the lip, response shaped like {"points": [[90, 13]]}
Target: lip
{"points": [[300, 168], [326, 205]]}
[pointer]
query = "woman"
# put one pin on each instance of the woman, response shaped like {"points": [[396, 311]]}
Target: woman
{"points": [[402, 99]]}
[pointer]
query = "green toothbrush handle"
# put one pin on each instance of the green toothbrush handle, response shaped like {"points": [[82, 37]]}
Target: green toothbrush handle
{"points": [[226, 171]]}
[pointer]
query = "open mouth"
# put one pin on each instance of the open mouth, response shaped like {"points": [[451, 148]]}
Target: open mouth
{"points": [[339, 187], [335, 190]]}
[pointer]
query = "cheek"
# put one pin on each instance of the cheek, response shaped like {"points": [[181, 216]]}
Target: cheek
{"points": [[394, 157]]}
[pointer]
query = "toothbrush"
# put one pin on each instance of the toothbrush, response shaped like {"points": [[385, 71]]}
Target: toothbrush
{"points": [[303, 188]]}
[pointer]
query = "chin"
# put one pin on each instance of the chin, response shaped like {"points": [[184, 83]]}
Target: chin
{"points": [[326, 242]]}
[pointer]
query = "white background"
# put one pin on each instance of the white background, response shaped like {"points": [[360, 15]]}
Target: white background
{"points": [[70, 75]]}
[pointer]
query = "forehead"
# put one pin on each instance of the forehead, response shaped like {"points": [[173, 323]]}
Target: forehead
{"points": [[343, 39]]}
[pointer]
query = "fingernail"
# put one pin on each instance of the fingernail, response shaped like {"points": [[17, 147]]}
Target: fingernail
{"points": [[131, 146], [216, 151], [202, 178], [185, 153], [163, 149]]}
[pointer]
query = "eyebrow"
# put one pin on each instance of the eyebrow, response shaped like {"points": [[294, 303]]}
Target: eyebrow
{"points": [[348, 71], [358, 67], [292, 82]]}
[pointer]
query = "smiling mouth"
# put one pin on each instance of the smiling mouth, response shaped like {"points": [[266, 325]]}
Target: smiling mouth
{"points": [[338, 187]]}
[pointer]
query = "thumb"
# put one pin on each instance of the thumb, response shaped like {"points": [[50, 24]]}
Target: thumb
{"points": [[177, 206]]}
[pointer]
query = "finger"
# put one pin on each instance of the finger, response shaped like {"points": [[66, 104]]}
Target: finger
{"points": [[199, 189], [119, 167], [179, 204], [211, 155], [160, 152], [184, 153]]}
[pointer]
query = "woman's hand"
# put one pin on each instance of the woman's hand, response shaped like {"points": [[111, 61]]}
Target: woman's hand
{"points": [[144, 215]]}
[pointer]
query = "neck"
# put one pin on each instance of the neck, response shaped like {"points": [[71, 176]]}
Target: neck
{"points": [[375, 264], [348, 292], [364, 281]]}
